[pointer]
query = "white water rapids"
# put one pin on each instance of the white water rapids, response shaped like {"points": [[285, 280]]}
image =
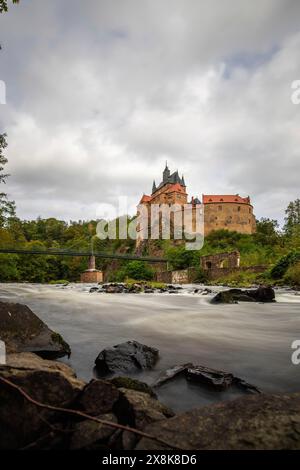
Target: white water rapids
{"points": [[251, 340]]}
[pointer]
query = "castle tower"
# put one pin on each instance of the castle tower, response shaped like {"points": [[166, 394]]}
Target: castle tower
{"points": [[166, 173]]}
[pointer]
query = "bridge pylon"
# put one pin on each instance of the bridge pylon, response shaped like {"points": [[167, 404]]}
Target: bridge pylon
{"points": [[91, 275]]}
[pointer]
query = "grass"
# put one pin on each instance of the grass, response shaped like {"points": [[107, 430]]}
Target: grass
{"points": [[146, 284], [240, 279]]}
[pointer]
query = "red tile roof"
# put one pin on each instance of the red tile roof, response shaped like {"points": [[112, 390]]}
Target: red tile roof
{"points": [[206, 198], [175, 188], [145, 198]]}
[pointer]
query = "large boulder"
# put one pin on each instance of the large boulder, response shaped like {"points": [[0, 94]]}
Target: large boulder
{"points": [[231, 296], [23, 331], [263, 422], [262, 294], [90, 435], [31, 361], [139, 409], [99, 397], [126, 357], [21, 422]]}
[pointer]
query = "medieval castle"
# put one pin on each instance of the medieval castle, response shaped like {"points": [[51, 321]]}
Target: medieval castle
{"points": [[229, 212]]}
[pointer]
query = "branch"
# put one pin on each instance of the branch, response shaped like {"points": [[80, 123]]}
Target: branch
{"points": [[85, 415]]}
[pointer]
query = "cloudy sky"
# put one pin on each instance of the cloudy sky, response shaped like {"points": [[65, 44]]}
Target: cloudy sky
{"points": [[101, 92]]}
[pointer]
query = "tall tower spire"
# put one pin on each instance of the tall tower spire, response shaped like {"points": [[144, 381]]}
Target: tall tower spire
{"points": [[153, 187], [166, 173]]}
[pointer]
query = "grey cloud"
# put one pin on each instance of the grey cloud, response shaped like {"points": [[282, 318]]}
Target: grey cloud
{"points": [[101, 93]]}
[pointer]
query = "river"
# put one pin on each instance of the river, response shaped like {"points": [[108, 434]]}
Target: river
{"points": [[251, 340]]}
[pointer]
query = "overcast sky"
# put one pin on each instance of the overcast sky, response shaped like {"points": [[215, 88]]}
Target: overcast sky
{"points": [[101, 93]]}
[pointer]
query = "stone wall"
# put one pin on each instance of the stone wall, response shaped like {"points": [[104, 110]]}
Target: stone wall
{"points": [[220, 260], [189, 276], [164, 276], [182, 276], [217, 273], [229, 216], [91, 276]]}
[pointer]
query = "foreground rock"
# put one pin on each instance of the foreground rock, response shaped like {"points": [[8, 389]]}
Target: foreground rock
{"points": [[126, 357], [30, 361], [217, 380], [261, 294], [22, 422], [24, 425], [23, 331], [99, 395], [142, 408], [255, 422]]}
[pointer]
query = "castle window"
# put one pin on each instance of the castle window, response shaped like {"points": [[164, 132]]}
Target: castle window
{"points": [[239, 208], [220, 208]]}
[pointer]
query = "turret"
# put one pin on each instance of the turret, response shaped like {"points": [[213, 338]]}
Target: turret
{"points": [[166, 173]]}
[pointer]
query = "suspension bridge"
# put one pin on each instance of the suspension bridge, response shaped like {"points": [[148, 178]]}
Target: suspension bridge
{"points": [[88, 254]]}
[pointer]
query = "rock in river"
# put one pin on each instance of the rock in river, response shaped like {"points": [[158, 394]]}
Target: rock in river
{"points": [[23, 331], [217, 380], [126, 357], [261, 294]]}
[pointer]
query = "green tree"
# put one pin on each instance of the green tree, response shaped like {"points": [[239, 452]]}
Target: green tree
{"points": [[180, 258], [266, 231], [284, 263], [4, 5], [7, 208], [292, 219], [138, 270]]}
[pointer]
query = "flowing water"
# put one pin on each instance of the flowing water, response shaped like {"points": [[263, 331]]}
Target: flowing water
{"points": [[251, 340]]}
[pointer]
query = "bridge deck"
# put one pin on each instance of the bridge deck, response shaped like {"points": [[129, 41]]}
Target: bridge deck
{"points": [[82, 253]]}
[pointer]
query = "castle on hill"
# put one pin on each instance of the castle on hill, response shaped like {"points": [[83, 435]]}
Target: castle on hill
{"points": [[230, 212]]}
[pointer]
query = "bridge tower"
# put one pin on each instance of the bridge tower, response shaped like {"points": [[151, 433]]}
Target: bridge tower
{"points": [[91, 274]]}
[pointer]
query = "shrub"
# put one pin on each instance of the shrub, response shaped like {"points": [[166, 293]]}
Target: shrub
{"points": [[292, 276], [278, 271], [180, 258], [138, 270]]}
